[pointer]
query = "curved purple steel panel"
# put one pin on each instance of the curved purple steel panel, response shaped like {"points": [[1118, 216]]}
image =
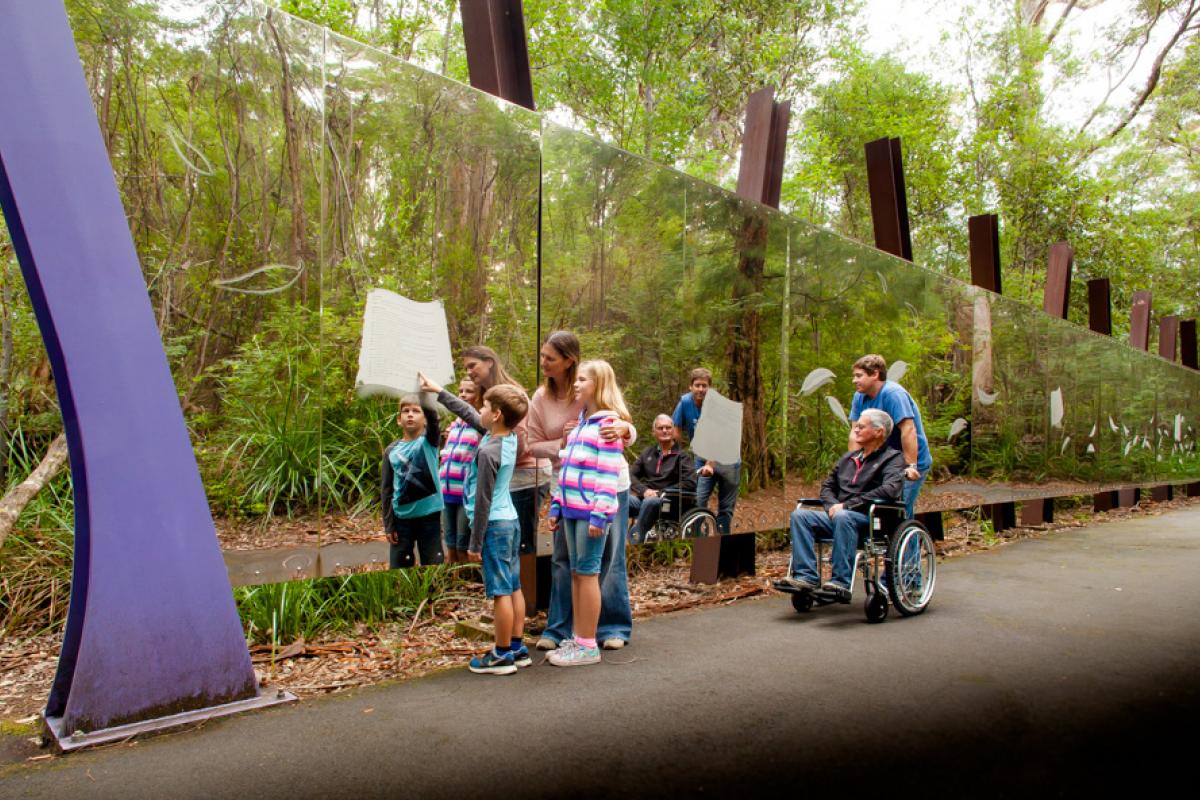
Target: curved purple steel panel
{"points": [[152, 627]]}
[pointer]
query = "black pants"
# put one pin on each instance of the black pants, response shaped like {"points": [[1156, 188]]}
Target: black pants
{"points": [[425, 533]]}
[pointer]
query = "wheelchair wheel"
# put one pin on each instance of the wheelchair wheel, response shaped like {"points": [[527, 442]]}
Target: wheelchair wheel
{"points": [[698, 523], [911, 568], [802, 601], [876, 607]]}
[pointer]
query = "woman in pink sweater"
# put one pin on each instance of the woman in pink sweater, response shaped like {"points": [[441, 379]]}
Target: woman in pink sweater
{"points": [[553, 412]]}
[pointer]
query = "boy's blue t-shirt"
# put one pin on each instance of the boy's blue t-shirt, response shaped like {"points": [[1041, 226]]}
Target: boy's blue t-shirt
{"points": [[896, 402], [502, 507], [686, 415]]}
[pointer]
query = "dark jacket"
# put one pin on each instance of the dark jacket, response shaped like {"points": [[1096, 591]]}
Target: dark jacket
{"points": [[879, 478], [674, 470]]}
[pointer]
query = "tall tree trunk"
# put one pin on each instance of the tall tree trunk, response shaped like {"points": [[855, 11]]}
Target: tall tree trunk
{"points": [[745, 340]]}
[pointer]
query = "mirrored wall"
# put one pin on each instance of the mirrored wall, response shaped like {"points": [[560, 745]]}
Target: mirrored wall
{"points": [[274, 173]]}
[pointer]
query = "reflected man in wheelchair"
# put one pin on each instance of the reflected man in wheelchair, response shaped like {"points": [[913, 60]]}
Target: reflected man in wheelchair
{"points": [[663, 471], [872, 474]]}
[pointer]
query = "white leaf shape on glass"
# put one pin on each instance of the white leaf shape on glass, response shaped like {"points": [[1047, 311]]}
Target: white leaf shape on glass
{"points": [[897, 371], [1128, 447], [1056, 408], [1112, 424], [986, 398], [958, 426], [836, 408], [231, 284], [1063, 449], [815, 380], [1179, 427], [882, 280], [1091, 448], [1092, 435]]}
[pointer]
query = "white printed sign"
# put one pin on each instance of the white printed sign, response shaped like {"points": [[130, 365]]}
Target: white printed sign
{"points": [[400, 338]]}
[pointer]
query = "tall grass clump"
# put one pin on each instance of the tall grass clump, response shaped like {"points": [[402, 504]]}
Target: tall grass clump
{"points": [[283, 612], [35, 561]]}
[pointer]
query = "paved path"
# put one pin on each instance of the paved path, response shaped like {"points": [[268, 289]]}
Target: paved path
{"points": [[1064, 665]]}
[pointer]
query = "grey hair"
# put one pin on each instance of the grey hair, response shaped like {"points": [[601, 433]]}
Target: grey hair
{"points": [[879, 420]]}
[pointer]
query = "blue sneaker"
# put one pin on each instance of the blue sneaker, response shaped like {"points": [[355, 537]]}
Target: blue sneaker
{"points": [[521, 657], [490, 663]]}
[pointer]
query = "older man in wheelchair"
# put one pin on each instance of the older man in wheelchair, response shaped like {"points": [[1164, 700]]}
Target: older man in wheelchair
{"points": [[872, 474], [663, 475], [861, 502]]}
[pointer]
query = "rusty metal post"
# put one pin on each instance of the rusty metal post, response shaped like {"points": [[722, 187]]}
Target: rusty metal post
{"points": [[1100, 321], [983, 240], [760, 179], [1139, 338], [889, 203], [497, 54]]}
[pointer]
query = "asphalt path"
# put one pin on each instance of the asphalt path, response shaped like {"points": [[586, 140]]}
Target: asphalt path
{"points": [[1059, 666]]}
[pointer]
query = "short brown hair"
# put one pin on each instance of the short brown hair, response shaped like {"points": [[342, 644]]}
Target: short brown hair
{"points": [[510, 401], [873, 364], [700, 373], [410, 400]]}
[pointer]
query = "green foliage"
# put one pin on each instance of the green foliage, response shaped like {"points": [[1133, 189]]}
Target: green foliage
{"points": [[283, 612], [35, 561]]}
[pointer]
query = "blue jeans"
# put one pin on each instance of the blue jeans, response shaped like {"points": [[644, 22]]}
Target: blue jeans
{"points": [[646, 512], [616, 617], [527, 502], [502, 558], [911, 490], [726, 478], [809, 525], [456, 534]]}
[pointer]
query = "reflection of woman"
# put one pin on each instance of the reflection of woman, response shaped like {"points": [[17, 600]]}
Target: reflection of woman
{"points": [[530, 479], [553, 412]]}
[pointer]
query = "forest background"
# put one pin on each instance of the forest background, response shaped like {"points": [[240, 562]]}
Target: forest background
{"points": [[983, 132]]}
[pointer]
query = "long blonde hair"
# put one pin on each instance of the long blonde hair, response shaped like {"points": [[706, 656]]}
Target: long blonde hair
{"points": [[608, 395]]}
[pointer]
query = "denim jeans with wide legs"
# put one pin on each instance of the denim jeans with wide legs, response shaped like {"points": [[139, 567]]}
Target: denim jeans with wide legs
{"points": [[726, 478], [810, 525], [616, 617]]}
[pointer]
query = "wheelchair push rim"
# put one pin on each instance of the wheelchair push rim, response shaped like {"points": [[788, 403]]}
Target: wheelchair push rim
{"points": [[911, 568]]}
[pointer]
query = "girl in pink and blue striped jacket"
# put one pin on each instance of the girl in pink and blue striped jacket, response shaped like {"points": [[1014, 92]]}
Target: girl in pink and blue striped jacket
{"points": [[585, 502], [462, 442]]}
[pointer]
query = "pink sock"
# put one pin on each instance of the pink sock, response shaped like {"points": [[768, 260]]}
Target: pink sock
{"points": [[582, 642]]}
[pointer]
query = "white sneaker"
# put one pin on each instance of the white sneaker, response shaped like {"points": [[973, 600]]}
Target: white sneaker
{"points": [[574, 656], [613, 643], [546, 643]]}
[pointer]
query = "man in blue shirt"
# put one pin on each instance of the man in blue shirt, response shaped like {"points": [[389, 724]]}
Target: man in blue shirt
{"points": [[874, 390], [723, 477]]}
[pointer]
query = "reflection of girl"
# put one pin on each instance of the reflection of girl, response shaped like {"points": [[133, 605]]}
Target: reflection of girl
{"points": [[531, 478], [461, 443], [585, 503], [553, 412]]}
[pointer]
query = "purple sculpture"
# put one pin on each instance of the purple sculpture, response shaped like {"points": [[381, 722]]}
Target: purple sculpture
{"points": [[152, 630]]}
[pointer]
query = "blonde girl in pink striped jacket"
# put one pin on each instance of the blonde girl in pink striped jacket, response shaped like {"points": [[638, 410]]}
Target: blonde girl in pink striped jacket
{"points": [[585, 502]]}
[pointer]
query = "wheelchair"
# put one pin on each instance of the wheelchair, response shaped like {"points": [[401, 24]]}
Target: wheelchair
{"points": [[679, 518], [895, 557]]}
